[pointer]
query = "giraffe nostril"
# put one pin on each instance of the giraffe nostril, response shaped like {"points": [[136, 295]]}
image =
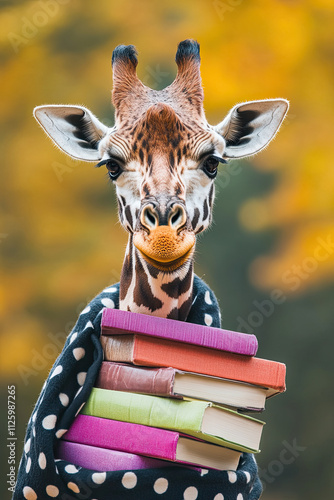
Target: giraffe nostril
{"points": [[148, 217], [177, 217]]}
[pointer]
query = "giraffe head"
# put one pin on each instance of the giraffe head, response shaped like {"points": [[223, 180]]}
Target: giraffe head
{"points": [[161, 154]]}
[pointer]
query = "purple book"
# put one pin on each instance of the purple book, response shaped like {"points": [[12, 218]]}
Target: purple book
{"points": [[161, 444], [117, 322], [102, 459]]}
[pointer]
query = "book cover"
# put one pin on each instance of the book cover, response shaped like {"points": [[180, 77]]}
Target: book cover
{"points": [[161, 444], [115, 321], [148, 351], [103, 459], [200, 419], [170, 382]]}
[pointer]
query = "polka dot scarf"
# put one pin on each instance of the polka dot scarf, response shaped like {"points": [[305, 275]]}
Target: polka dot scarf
{"points": [[66, 390]]}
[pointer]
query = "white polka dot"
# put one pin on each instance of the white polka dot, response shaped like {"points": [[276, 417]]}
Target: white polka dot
{"points": [[49, 422], [99, 477], [57, 471], [71, 469], [33, 431], [247, 474], [240, 497], [27, 446], [28, 465], [73, 337], [232, 477], [52, 490], [219, 496], [207, 297], [208, 319], [64, 399], [86, 310], [73, 487], [190, 493], [33, 418], [89, 324], [111, 289], [108, 303], [29, 493], [204, 471], [129, 480], [60, 433], [81, 377], [42, 460], [160, 485], [79, 353], [56, 371]]}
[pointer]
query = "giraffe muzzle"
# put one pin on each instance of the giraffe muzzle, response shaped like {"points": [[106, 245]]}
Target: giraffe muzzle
{"points": [[164, 236]]}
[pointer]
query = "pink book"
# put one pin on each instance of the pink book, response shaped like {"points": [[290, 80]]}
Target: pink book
{"points": [[102, 459], [117, 322], [150, 441]]}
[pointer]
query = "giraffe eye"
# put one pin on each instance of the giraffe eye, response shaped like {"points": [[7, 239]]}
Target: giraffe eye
{"points": [[210, 166], [114, 169]]}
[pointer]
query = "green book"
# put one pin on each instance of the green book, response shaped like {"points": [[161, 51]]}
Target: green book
{"points": [[200, 419]]}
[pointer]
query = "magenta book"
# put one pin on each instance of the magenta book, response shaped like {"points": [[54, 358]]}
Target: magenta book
{"points": [[150, 441], [115, 321], [102, 459]]}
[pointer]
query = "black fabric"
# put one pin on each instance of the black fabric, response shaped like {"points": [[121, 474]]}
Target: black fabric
{"points": [[64, 393]]}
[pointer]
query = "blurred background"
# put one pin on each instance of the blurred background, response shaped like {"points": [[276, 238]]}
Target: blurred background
{"points": [[269, 255]]}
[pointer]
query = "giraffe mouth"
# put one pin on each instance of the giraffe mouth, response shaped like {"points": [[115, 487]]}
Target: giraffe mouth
{"points": [[164, 248], [168, 266]]}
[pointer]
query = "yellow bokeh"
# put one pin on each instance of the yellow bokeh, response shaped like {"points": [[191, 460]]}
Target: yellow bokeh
{"points": [[60, 237]]}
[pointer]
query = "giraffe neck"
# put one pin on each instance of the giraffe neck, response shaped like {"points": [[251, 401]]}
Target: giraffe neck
{"points": [[147, 290]]}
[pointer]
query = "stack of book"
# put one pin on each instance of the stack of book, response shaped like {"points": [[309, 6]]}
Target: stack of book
{"points": [[170, 392]]}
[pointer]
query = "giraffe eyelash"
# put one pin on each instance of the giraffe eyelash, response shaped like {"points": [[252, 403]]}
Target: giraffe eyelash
{"points": [[104, 162], [218, 158]]}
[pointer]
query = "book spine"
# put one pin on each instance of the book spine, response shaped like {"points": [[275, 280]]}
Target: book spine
{"points": [[153, 411], [129, 378], [118, 322], [101, 459], [123, 436]]}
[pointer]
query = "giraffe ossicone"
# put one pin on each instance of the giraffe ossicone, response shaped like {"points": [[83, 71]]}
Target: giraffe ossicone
{"points": [[163, 157]]}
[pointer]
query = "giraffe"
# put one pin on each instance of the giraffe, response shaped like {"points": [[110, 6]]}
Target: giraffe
{"points": [[163, 157]]}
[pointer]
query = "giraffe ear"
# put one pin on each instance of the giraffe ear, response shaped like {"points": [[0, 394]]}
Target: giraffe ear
{"points": [[249, 127], [74, 129]]}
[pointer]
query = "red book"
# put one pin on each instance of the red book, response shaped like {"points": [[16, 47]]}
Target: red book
{"points": [[149, 351]]}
